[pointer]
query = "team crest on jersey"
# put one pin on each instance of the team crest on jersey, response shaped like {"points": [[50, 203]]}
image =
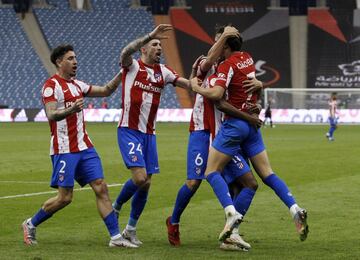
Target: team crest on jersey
{"points": [[134, 158], [158, 77], [198, 170]]}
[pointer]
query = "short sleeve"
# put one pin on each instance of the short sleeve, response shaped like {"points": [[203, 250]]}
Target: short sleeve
{"points": [[48, 92], [224, 74], [85, 88], [170, 76]]}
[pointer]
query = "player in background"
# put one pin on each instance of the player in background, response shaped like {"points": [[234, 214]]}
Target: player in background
{"points": [[268, 114], [237, 67], [72, 153], [332, 117], [142, 84], [204, 123]]}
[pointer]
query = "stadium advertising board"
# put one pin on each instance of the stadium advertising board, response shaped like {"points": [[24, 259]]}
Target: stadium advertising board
{"points": [[183, 115], [334, 48], [265, 33]]}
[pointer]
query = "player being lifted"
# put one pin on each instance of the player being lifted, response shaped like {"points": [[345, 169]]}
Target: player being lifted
{"points": [[332, 117], [237, 67], [142, 84], [72, 153], [204, 123]]}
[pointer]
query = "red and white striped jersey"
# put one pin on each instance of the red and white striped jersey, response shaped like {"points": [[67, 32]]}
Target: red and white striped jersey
{"points": [[67, 135], [142, 85], [230, 75], [333, 107], [205, 116]]}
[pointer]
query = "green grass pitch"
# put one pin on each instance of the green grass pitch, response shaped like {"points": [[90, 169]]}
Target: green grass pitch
{"points": [[324, 178]]}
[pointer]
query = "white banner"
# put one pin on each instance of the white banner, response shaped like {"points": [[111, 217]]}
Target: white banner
{"points": [[183, 115], [312, 115]]}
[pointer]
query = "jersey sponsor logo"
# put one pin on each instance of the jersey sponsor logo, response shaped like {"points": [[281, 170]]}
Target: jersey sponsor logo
{"points": [[147, 87], [48, 92], [244, 64], [69, 104]]}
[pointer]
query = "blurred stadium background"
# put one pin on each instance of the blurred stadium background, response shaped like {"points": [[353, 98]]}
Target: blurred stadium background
{"points": [[296, 44]]}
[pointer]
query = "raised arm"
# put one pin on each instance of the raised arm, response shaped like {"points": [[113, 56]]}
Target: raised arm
{"points": [[55, 114], [215, 93], [216, 50], [107, 89], [134, 46]]}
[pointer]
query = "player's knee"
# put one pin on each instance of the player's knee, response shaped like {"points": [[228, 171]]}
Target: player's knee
{"points": [[64, 201], [253, 184], [193, 184], [141, 181], [100, 187]]}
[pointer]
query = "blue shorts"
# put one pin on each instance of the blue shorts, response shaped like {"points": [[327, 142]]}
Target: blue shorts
{"points": [[333, 121], [197, 154], [237, 167], [138, 149], [84, 167], [235, 133]]}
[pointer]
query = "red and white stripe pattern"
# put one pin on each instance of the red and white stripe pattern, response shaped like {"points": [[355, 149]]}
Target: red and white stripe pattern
{"points": [[204, 115], [68, 135], [333, 107], [230, 75], [142, 86]]}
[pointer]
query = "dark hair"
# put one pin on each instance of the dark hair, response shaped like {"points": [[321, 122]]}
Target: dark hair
{"points": [[59, 52], [234, 43]]}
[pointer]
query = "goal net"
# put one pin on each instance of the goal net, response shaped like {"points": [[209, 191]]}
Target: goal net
{"points": [[310, 98], [290, 105]]}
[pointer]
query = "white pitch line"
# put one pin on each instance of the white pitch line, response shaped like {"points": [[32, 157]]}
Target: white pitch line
{"points": [[26, 182], [50, 192]]}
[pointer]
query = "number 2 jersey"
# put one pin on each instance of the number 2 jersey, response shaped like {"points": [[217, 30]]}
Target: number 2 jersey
{"points": [[68, 135]]}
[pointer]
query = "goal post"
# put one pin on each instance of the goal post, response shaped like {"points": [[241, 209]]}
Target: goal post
{"points": [[310, 105]]}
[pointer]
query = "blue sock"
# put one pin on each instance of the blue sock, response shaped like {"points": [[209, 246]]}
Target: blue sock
{"points": [[182, 200], [112, 224], [220, 188], [40, 217], [243, 200], [280, 188], [137, 206], [126, 193], [331, 131]]}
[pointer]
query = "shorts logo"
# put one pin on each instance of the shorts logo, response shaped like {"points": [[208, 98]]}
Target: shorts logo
{"points": [[61, 178], [134, 158], [198, 170], [240, 165]]}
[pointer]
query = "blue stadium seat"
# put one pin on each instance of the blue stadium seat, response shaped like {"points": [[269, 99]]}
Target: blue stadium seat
{"points": [[21, 71], [98, 37]]}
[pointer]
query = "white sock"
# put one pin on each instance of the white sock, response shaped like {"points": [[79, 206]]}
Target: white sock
{"points": [[230, 210], [30, 224], [130, 228], [116, 237], [294, 209]]}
